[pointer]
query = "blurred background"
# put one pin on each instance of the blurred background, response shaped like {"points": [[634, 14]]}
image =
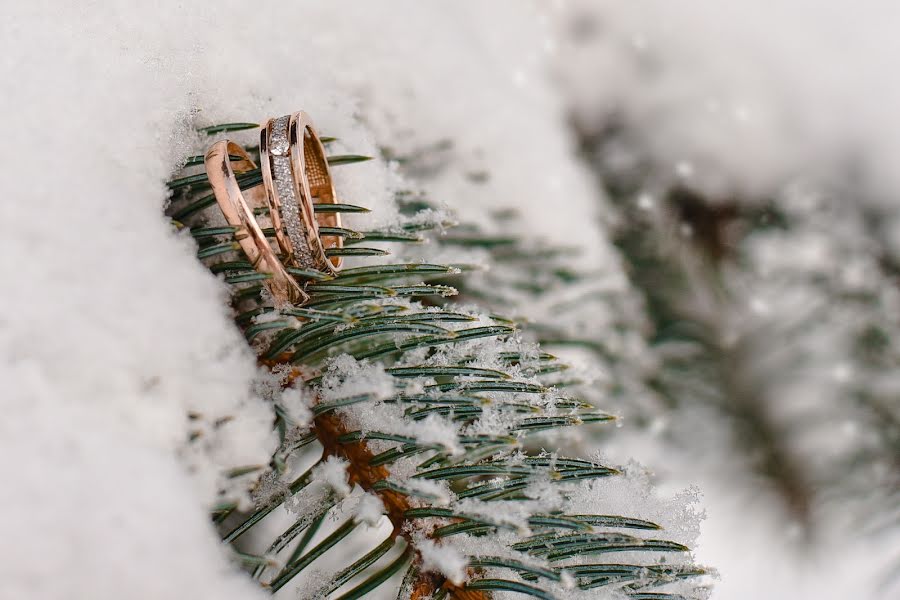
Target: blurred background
{"points": [[743, 154]]}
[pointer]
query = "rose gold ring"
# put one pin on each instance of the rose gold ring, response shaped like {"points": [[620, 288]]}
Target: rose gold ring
{"points": [[296, 177], [237, 208]]}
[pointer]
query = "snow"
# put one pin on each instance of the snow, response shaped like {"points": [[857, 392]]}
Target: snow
{"points": [[92, 510], [680, 514], [297, 406], [438, 431], [369, 509], [333, 472], [442, 558], [436, 492], [128, 394], [346, 377]]}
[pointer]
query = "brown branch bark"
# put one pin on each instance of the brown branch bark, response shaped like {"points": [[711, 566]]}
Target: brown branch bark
{"points": [[329, 428]]}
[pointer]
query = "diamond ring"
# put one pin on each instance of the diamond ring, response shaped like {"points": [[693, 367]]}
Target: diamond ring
{"points": [[296, 177]]}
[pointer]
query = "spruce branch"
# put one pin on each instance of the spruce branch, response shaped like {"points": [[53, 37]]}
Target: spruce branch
{"points": [[424, 413]]}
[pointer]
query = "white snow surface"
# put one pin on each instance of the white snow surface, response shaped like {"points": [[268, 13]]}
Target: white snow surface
{"points": [[112, 332]]}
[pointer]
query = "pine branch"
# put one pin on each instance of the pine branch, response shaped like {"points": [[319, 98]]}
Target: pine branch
{"points": [[400, 383]]}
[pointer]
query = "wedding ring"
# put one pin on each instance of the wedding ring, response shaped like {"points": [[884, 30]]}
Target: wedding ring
{"points": [[237, 207], [296, 177]]}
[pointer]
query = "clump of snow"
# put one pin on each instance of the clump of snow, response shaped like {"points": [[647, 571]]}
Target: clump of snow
{"points": [[443, 559], [297, 406], [369, 509], [333, 472], [435, 430], [632, 495], [306, 503], [346, 377], [511, 514], [436, 492]]}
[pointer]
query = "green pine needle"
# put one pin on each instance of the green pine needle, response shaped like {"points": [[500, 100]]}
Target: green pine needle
{"points": [[225, 127]]}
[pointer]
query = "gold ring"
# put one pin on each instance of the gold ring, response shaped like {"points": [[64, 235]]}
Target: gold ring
{"points": [[237, 208], [296, 177]]}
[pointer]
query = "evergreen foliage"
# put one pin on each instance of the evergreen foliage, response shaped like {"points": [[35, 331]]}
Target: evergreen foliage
{"points": [[411, 436]]}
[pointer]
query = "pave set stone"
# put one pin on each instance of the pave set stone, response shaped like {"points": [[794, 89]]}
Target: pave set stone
{"points": [[282, 178], [278, 141]]}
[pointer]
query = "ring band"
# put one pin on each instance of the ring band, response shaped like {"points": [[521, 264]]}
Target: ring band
{"points": [[295, 174], [237, 208]]}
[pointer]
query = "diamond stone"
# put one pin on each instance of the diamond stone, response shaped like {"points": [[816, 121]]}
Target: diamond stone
{"points": [[278, 141]]}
